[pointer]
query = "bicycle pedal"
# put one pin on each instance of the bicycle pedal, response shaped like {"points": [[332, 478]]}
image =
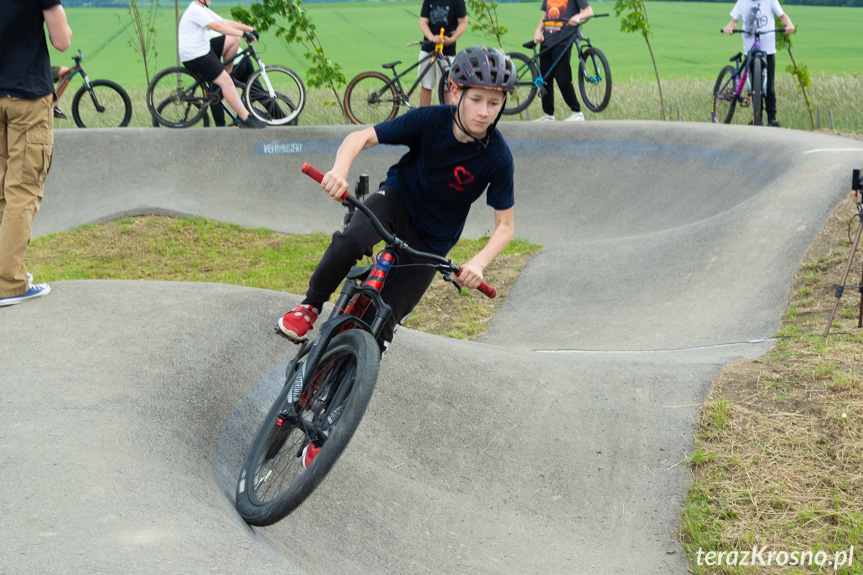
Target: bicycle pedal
{"points": [[293, 341]]}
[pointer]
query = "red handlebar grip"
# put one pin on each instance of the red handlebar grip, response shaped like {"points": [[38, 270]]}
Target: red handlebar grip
{"points": [[484, 288], [487, 290], [312, 172]]}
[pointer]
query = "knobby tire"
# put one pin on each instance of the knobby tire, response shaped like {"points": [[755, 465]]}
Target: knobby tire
{"points": [[371, 98], [757, 90], [525, 88], [272, 481], [116, 106], [724, 99], [594, 80], [177, 97], [289, 100]]}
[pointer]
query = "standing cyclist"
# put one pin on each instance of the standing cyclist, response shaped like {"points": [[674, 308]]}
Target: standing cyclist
{"points": [[557, 15], [455, 152], [757, 15], [204, 56], [450, 15]]}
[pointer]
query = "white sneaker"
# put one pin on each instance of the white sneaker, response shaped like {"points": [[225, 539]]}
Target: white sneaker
{"points": [[576, 117], [545, 118]]}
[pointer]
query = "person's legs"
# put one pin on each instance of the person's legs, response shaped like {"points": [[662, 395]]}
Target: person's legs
{"points": [[230, 49], [770, 93], [26, 149], [563, 76], [546, 59], [427, 82], [230, 95]]}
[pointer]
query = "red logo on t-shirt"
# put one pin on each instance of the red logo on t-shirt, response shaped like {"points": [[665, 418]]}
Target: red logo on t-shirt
{"points": [[463, 177]]}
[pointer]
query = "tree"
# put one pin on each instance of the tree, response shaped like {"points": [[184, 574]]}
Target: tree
{"points": [[799, 71], [635, 20], [322, 71], [484, 19], [143, 41]]}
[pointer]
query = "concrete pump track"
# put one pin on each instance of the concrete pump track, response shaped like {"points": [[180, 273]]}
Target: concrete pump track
{"points": [[556, 443]]}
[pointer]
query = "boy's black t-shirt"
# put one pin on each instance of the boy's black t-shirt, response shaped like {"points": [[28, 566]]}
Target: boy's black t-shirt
{"points": [[25, 66], [442, 14], [440, 178]]}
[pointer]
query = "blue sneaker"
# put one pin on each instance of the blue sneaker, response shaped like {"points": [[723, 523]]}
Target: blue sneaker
{"points": [[37, 290]]}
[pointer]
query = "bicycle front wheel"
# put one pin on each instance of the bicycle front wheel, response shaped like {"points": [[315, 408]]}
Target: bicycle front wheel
{"points": [[594, 79], [724, 96], [177, 98], [322, 407], [104, 105], [281, 105], [525, 87], [758, 81], [371, 98]]}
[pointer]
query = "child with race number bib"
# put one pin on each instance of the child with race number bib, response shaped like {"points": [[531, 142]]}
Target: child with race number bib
{"points": [[557, 15], [455, 152], [757, 15]]}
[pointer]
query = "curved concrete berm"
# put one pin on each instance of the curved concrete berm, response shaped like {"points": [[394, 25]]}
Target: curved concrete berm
{"points": [[555, 444]]}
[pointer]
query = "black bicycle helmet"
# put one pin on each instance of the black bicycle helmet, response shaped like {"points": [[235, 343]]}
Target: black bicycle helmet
{"points": [[482, 67]]}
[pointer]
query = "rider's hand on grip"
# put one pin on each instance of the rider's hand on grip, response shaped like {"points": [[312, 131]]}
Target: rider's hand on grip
{"points": [[483, 288]]}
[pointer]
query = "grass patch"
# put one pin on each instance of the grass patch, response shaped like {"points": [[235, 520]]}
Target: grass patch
{"points": [[196, 249], [779, 450]]}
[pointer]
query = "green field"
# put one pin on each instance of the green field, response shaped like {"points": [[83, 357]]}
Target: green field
{"points": [[686, 41], [362, 35]]}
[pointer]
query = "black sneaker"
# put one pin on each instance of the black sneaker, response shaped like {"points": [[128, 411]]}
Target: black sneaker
{"points": [[773, 124], [58, 113], [251, 122]]}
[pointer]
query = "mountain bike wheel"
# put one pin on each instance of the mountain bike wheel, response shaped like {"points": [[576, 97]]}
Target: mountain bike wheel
{"points": [[334, 393], [289, 96], [104, 105], [525, 88], [177, 98], [204, 117], [594, 80], [443, 90], [757, 90], [371, 98], [724, 96]]}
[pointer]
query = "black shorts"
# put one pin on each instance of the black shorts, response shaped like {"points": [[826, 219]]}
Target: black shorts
{"points": [[209, 65]]}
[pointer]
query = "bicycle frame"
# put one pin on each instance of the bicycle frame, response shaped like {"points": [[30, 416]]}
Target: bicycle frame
{"points": [[582, 44], [436, 57], [74, 71]]}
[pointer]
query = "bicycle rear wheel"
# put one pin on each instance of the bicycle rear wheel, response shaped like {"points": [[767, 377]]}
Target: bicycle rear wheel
{"points": [[286, 102], [177, 98], [594, 80], [525, 87], [322, 406], [371, 98], [724, 96], [104, 105]]}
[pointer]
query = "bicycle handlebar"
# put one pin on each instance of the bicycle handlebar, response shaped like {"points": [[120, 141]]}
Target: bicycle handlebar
{"points": [[739, 31], [442, 264]]}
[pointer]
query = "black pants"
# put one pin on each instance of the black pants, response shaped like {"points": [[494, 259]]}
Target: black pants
{"points": [[404, 286], [562, 74]]}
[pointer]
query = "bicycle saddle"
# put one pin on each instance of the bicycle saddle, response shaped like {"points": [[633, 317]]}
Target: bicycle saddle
{"points": [[392, 65], [360, 272], [529, 45]]}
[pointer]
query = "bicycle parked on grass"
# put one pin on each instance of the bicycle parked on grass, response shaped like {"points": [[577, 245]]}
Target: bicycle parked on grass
{"points": [[328, 384], [743, 85], [374, 97], [594, 74], [106, 104], [179, 98]]}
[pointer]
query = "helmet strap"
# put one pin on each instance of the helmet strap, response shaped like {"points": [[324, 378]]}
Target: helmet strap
{"points": [[483, 143]]}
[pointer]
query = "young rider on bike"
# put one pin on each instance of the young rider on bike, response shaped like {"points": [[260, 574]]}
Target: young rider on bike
{"points": [[454, 153]]}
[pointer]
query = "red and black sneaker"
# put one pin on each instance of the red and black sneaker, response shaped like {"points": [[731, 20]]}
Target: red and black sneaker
{"points": [[309, 454]]}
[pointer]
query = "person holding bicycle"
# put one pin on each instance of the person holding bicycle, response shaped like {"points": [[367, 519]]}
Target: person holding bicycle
{"points": [[201, 54], [455, 152], [451, 16], [757, 15], [556, 16]]}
